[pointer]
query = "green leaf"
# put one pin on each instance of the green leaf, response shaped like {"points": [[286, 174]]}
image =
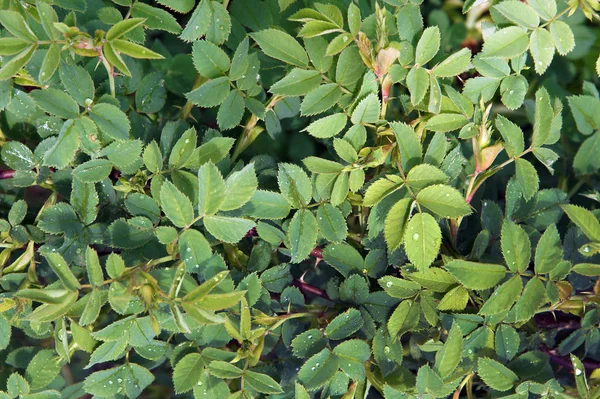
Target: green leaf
{"points": [[56, 102], [350, 67], [78, 83], [240, 186], [61, 268], [93, 171], [209, 59], [152, 157], [211, 93], [410, 21], [281, 46], [580, 377], [395, 223], [405, 318], [318, 370], [563, 37], [108, 351], [495, 375], [266, 205], [408, 145], [262, 382], [211, 187], [476, 276], [514, 142], [380, 189], [584, 219], [176, 206], [587, 269], [12, 45], [507, 342], [585, 113], [454, 64], [331, 223], [543, 118], [443, 200], [534, 296], [135, 50], [320, 99], [64, 148], [585, 161], [428, 45], [448, 358], [155, 18], [85, 200], [399, 288], [503, 297], [417, 82], [425, 175], [150, 96], [198, 23], [12, 67], [186, 373], [527, 178], [294, 184], [15, 24], [344, 325], [520, 13], [506, 43], [194, 249], [544, 8], [302, 234], [541, 48], [17, 156], [123, 27], [42, 369], [328, 126], [223, 369], [297, 83], [228, 229], [516, 247], [446, 122], [111, 121], [549, 252], [344, 258], [50, 63], [352, 355], [367, 111], [422, 240]]}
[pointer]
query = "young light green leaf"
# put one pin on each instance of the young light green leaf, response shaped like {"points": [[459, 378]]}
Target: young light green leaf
{"points": [[302, 234], [506, 43], [516, 247], [520, 13], [228, 229], [395, 223], [583, 219], [428, 45], [211, 186], [448, 358], [176, 206], [527, 178], [495, 375]]}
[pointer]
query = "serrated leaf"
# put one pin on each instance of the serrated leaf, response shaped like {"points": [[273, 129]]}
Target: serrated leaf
{"points": [[507, 342], [240, 186], [527, 178], [320, 99], [404, 318], [443, 200], [503, 297], [281, 46], [78, 83], [198, 23], [417, 82], [495, 375], [209, 59], [476, 276], [448, 358], [266, 205], [367, 111], [549, 251], [563, 37], [453, 65], [422, 240], [211, 93], [428, 45], [211, 187], [294, 184], [328, 126], [297, 83], [409, 21], [520, 13], [111, 121], [15, 24], [395, 223], [56, 102], [302, 234], [318, 370], [262, 382], [534, 296], [228, 229], [331, 223], [506, 43], [514, 143], [185, 374], [176, 206], [516, 247], [541, 48]]}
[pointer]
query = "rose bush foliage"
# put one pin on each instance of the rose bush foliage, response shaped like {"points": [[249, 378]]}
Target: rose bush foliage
{"points": [[299, 199]]}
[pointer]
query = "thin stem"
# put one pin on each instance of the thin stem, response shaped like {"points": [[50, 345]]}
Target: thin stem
{"points": [[111, 76]]}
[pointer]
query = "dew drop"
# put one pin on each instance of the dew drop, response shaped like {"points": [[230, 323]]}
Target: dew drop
{"points": [[388, 284], [416, 236], [578, 372]]}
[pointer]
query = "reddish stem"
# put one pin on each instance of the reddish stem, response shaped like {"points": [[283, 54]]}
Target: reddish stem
{"points": [[309, 289], [6, 174]]}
